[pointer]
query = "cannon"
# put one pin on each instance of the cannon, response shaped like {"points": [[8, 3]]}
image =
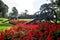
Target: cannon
{"points": [[46, 14]]}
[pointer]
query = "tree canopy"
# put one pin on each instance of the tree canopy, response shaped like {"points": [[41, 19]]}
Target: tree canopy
{"points": [[3, 8], [55, 4], [15, 11]]}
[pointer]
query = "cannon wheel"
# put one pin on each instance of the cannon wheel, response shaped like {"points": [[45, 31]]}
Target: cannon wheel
{"points": [[50, 14]]}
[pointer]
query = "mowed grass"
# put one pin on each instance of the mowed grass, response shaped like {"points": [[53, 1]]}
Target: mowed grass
{"points": [[4, 26]]}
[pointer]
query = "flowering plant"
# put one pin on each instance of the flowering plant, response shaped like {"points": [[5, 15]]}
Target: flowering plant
{"points": [[38, 31]]}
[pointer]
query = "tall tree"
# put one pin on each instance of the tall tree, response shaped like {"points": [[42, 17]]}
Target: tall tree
{"points": [[55, 2], [14, 12], [56, 5], [43, 6], [3, 8]]}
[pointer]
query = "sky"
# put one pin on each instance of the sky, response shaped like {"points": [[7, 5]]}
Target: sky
{"points": [[31, 5]]}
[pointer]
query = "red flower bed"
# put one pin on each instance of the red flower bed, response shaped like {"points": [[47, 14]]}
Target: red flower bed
{"points": [[38, 31]]}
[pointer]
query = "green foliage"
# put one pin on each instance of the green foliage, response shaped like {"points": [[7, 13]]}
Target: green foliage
{"points": [[58, 13], [4, 26], [3, 19], [3, 8], [56, 34], [43, 6], [55, 4], [15, 12]]}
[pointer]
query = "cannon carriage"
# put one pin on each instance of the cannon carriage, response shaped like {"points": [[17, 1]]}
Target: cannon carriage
{"points": [[47, 14]]}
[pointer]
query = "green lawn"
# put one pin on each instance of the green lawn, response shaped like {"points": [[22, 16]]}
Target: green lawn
{"points": [[4, 26]]}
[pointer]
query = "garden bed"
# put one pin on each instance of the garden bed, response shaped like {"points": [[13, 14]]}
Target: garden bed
{"points": [[37, 31]]}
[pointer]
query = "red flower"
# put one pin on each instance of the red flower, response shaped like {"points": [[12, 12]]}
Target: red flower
{"points": [[7, 32], [49, 37], [41, 35], [46, 32], [13, 39], [52, 28], [1, 36], [29, 34], [58, 38], [58, 26]]}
